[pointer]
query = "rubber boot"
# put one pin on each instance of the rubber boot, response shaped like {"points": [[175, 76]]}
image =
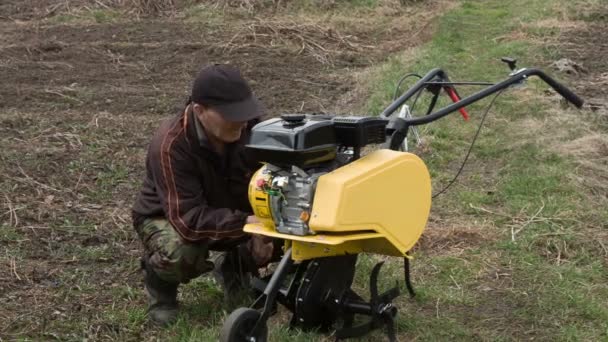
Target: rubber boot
{"points": [[162, 298]]}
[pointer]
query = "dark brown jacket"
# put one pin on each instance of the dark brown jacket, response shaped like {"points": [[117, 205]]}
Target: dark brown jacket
{"points": [[202, 194]]}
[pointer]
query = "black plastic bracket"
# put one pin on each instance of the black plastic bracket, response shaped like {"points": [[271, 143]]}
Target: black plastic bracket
{"points": [[511, 62]]}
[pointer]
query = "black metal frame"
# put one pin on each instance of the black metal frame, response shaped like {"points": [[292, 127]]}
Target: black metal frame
{"points": [[399, 127], [271, 291]]}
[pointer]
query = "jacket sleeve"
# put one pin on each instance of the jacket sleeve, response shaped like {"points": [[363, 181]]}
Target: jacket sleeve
{"points": [[182, 197]]}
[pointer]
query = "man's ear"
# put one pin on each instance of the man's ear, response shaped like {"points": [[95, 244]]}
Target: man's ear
{"points": [[198, 109]]}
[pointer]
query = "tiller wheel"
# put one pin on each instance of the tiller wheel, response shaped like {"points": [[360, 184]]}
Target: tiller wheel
{"points": [[320, 297]]}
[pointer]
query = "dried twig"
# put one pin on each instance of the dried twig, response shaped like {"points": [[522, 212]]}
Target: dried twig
{"points": [[13, 218], [42, 185], [603, 247], [78, 181], [152, 7], [64, 229], [14, 269], [525, 224], [489, 211], [52, 9], [315, 40], [64, 96], [437, 308], [520, 221], [101, 4]]}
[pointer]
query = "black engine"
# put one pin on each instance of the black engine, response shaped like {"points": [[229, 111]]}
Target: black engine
{"points": [[308, 140]]}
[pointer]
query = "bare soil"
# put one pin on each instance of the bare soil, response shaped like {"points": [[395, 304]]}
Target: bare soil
{"points": [[79, 101], [587, 45]]}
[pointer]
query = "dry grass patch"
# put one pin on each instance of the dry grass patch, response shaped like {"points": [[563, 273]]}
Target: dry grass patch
{"points": [[451, 237], [321, 42], [558, 23], [591, 154]]}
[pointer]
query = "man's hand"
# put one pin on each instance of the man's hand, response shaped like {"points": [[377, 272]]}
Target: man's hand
{"points": [[252, 219], [261, 248]]}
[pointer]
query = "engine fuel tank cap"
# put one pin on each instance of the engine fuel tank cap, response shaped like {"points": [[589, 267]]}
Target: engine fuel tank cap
{"points": [[293, 119]]}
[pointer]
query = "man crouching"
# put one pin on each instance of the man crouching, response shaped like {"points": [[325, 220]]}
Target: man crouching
{"points": [[194, 195]]}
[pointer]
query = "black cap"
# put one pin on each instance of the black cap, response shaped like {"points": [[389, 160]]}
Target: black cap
{"points": [[222, 88]]}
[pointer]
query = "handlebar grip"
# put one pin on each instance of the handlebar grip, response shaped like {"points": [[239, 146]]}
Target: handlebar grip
{"points": [[562, 90]]}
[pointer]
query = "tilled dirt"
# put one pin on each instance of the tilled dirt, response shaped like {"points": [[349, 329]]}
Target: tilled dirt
{"points": [[79, 101], [587, 46], [78, 104], [125, 68]]}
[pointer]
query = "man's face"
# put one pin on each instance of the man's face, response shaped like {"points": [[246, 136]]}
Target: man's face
{"points": [[215, 125]]}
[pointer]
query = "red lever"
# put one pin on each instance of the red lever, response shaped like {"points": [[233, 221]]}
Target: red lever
{"points": [[455, 98]]}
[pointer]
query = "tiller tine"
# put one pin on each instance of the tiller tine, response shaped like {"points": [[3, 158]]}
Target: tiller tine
{"points": [[388, 296], [380, 308]]}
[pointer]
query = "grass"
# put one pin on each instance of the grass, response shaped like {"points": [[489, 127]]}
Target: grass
{"points": [[98, 16], [514, 250], [552, 286]]}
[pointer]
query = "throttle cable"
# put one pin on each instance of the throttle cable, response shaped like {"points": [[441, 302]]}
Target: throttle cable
{"points": [[483, 118]]}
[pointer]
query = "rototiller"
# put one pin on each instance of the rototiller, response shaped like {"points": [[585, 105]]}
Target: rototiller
{"points": [[328, 203]]}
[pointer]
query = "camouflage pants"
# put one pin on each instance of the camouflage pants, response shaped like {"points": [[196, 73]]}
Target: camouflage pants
{"points": [[171, 258]]}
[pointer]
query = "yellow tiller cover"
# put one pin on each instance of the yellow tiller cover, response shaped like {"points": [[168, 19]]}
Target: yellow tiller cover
{"points": [[379, 203]]}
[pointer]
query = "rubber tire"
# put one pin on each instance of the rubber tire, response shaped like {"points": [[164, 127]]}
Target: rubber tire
{"points": [[239, 319]]}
